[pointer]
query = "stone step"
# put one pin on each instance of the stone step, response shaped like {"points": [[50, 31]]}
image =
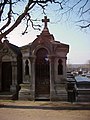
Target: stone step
{"points": [[8, 96], [83, 98]]}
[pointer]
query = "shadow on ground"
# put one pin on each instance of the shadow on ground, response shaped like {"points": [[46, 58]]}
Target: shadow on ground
{"points": [[71, 107]]}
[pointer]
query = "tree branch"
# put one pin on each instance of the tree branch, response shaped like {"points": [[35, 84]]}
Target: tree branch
{"points": [[29, 6], [9, 16], [86, 26], [82, 8], [2, 6]]}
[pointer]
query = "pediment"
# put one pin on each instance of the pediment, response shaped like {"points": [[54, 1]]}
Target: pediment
{"points": [[6, 50], [41, 43], [6, 58]]}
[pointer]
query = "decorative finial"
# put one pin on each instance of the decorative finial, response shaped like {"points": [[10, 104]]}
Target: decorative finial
{"points": [[45, 20]]}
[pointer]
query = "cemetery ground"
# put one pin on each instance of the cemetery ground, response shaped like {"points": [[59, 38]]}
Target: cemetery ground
{"points": [[43, 110]]}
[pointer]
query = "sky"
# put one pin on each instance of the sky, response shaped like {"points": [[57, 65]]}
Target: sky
{"points": [[64, 30]]}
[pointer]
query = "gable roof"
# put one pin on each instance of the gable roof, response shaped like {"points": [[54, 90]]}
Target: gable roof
{"points": [[14, 48]]}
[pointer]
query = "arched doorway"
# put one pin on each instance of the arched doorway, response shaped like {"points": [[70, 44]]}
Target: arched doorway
{"points": [[42, 74]]}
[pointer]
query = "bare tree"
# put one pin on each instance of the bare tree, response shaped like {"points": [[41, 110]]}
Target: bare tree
{"points": [[80, 8], [11, 19], [11, 16]]}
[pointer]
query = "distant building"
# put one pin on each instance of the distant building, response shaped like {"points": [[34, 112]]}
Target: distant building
{"points": [[78, 67]]}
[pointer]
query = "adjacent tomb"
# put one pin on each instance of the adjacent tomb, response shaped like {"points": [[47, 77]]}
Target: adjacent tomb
{"points": [[10, 68]]}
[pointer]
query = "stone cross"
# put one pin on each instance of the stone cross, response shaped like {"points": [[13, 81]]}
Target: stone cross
{"points": [[45, 20]]}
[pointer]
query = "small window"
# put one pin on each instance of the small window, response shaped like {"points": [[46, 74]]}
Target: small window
{"points": [[60, 67], [26, 67]]}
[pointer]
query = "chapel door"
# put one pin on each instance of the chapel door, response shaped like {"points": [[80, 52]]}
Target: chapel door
{"points": [[42, 74], [6, 76]]}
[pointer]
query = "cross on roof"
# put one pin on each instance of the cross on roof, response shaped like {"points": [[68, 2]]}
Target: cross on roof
{"points": [[45, 20]]}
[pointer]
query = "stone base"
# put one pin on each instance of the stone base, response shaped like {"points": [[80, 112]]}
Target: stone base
{"points": [[14, 88], [24, 93], [8, 96], [83, 98], [59, 97], [60, 93]]}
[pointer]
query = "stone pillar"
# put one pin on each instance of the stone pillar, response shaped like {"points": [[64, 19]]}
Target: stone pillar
{"points": [[52, 78], [26, 91], [64, 67], [13, 87], [32, 59], [0, 75], [23, 69]]}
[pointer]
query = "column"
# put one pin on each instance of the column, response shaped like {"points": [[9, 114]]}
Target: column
{"points": [[23, 69], [25, 91], [32, 59], [52, 78], [64, 67], [0, 75], [13, 87]]}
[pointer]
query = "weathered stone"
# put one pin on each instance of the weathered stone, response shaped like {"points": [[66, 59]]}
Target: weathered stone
{"points": [[24, 93], [42, 65]]}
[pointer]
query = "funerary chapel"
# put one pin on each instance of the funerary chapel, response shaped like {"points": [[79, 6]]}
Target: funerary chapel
{"points": [[34, 71]]}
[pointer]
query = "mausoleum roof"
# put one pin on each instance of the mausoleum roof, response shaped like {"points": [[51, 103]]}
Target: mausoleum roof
{"points": [[14, 48], [45, 39]]}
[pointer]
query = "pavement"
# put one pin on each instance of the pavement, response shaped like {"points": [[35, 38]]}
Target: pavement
{"points": [[43, 110]]}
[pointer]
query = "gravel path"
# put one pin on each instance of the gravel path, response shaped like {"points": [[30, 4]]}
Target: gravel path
{"points": [[26, 110]]}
